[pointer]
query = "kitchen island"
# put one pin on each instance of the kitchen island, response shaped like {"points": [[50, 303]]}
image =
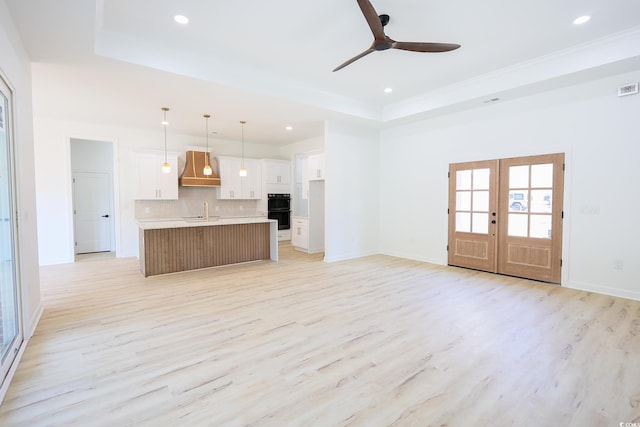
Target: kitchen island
{"points": [[169, 246]]}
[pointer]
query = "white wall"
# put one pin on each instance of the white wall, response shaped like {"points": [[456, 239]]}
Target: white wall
{"points": [[14, 66], [91, 156], [599, 134], [351, 191], [311, 145]]}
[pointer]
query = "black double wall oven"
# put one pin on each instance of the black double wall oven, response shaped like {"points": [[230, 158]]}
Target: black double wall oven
{"points": [[279, 208]]}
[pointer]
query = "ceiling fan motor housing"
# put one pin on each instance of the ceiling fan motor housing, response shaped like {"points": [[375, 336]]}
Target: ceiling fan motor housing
{"points": [[383, 45]]}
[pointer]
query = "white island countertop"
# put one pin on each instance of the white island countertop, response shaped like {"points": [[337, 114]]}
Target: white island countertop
{"points": [[150, 224]]}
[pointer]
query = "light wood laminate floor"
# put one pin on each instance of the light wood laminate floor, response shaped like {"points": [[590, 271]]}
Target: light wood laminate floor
{"points": [[377, 341]]}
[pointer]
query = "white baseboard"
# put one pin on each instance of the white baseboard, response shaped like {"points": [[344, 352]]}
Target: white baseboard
{"points": [[593, 287], [347, 256], [30, 329], [414, 258]]}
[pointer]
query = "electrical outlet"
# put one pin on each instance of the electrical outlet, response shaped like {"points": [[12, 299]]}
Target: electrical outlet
{"points": [[618, 264], [147, 210], [241, 207], [590, 210], [217, 208]]}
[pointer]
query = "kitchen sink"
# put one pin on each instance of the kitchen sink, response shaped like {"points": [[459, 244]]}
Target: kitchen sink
{"points": [[199, 218]]}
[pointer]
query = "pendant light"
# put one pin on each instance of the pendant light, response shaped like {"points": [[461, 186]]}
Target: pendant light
{"points": [[207, 166], [243, 170], [166, 168]]}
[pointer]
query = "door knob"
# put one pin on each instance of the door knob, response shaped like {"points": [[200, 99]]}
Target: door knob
{"points": [[493, 221]]}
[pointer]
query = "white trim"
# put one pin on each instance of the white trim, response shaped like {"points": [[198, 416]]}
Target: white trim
{"points": [[115, 191], [402, 255], [30, 329], [605, 290]]}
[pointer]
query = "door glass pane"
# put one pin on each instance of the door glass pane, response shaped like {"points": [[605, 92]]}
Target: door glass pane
{"points": [[542, 175], [481, 179], [463, 180], [540, 226], [463, 200], [541, 201], [518, 224], [480, 223], [518, 200], [8, 287], [519, 176], [463, 222], [481, 201]]}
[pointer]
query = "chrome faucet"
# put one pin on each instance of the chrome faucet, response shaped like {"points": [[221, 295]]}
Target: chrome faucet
{"points": [[206, 211]]}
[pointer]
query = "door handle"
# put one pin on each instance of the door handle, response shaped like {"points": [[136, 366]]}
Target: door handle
{"points": [[105, 216]]}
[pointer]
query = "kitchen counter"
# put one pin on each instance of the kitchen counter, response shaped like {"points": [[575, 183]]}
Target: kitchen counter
{"points": [[200, 222], [173, 245]]}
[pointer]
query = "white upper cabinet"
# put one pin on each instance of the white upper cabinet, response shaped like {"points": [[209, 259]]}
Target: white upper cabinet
{"points": [[234, 186], [277, 171], [315, 167], [252, 183], [151, 182], [230, 184]]}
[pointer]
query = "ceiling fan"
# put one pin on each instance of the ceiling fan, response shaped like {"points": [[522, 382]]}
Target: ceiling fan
{"points": [[383, 42]]}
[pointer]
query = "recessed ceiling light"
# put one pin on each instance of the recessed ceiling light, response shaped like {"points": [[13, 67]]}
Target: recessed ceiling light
{"points": [[581, 20], [289, 128], [388, 90], [181, 19]]}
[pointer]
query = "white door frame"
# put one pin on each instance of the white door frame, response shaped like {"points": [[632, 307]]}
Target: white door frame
{"points": [[17, 343], [115, 191]]}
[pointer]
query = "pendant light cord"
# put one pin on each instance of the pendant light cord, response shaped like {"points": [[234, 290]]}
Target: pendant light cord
{"points": [[207, 155], [165, 140], [164, 124], [242, 122]]}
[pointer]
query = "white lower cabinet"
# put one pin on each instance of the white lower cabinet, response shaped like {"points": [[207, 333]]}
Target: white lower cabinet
{"points": [[284, 235], [306, 235], [300, 233]]}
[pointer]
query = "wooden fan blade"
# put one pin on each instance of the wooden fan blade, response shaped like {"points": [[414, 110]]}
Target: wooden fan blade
{"points": [[425, 47], [372, 18], [355, 58]]}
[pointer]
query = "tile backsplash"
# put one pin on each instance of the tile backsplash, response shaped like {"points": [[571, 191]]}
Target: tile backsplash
{"points": [[190, 203]]}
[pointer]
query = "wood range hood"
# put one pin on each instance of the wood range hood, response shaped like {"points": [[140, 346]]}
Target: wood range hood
{"points": [[192, 175]]}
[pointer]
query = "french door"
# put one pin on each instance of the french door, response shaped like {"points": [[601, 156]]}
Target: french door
{"points": [[10, 328], [505, 216]]}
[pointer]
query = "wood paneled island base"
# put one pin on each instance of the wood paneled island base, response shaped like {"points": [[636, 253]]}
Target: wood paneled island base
{"points": [[181, 248]]}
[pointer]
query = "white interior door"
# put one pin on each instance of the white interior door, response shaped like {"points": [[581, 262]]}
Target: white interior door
{"points": [[93, 218]]}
